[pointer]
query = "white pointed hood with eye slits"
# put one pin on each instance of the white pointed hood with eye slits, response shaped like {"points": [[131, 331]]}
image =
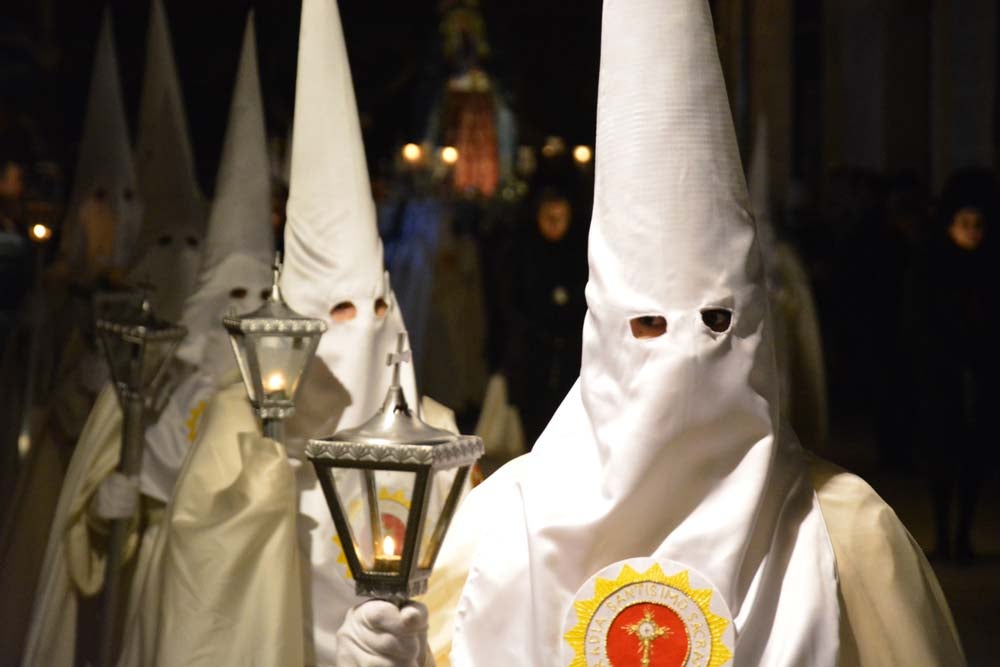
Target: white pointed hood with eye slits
{"points": [[235, 275], [105, 157], [667, 447], [239, 242], [333, 255], [174, 207]]}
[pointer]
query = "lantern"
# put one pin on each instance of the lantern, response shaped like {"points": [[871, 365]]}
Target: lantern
{"points": [[137, 346], [273, 344], [379, 478]]}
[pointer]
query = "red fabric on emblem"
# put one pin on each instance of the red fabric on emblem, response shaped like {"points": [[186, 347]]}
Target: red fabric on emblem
{"points": [[647, 634]]}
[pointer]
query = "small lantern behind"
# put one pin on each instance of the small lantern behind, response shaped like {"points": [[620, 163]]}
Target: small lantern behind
{"points": [[273, 345], [379, 478], [137, 346]]}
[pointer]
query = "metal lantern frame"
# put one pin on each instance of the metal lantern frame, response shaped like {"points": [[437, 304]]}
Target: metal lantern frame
{"points": [[126, 344], [394, 440], [138, 331], [247, 333]]}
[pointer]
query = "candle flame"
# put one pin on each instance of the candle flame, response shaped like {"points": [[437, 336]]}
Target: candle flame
{"points": [[388, 546], [449, 155], [275, 382]]}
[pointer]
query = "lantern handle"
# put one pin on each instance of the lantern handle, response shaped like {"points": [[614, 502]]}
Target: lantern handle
{"points": [[276, 269], [400, 356]]}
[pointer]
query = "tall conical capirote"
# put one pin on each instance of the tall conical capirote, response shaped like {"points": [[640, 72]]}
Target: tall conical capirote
{"points": [[669, 446], [104, 163]]}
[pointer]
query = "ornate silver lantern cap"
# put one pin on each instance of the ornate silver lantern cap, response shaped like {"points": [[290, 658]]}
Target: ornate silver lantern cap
{"points": [[141, 326], [396, 435], [274, 316]]}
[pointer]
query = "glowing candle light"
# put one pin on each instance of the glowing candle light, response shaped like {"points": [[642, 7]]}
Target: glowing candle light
{"points": [[275, 382], [449, 155], [388, 545], [412, 153], [582, 154]]}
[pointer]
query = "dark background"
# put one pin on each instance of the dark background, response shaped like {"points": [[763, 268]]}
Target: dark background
{"points": [[545, 53]]}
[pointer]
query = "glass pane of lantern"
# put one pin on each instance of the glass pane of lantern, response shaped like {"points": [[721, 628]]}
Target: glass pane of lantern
{"points": [[395, 496], [282, 360], [442, 483], [120, 356], [239, 342], [157, 354], [354, 500]]}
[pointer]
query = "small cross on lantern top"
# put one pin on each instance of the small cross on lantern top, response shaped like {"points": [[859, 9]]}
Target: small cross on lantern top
{"points": [[400, 356]]}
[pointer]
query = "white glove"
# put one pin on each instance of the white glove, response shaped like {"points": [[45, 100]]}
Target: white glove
{"points": [[117, 497], [377, 633]]}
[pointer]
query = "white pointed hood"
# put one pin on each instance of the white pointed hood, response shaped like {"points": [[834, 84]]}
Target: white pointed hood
{"points": [[667, 447], [239, 242], [164, 157], [759, 181], [171, 246], [174, 218], [330, 202], [333, 256], [104, 162]]}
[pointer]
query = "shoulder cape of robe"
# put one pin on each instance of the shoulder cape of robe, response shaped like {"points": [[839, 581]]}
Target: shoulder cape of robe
{"points": [[225, 564], [893, 611], [74, 559]]}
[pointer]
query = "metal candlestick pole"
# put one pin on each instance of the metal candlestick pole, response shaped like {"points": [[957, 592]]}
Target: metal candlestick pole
{"points": [[274, 429], [129, 465]]}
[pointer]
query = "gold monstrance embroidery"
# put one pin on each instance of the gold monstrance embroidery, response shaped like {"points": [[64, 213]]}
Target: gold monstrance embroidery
{"points": [[647, 630]]}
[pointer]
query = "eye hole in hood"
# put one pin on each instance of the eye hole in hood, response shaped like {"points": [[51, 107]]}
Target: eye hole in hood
{"points": [[717, 319], [238, 293], [345, 311], [648, 326], [381, 308]]}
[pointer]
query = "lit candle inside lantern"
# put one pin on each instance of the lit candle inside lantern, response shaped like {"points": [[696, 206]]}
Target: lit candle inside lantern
{"points": [[275, 382], [388, 560]]}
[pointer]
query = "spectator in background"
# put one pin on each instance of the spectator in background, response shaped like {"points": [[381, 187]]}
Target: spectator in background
{"points": [[546, 309], [953, 296]]}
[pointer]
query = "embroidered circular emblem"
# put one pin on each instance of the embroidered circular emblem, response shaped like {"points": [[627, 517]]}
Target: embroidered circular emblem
{"points": [[647, 612]]}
